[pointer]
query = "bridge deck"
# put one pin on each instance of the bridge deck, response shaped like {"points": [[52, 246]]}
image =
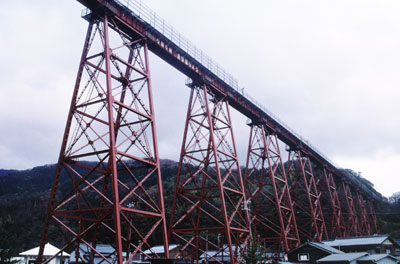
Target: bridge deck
{"points": [[137, 19]]}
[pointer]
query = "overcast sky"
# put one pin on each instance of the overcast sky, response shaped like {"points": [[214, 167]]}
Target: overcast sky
{"points": [[329, 69]]}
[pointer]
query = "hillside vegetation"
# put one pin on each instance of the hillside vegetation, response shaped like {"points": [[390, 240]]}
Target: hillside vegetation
{"points": [[24, 195]]}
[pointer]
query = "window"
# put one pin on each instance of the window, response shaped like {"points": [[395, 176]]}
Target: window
{"points": [[388, 251], [304, 257]]}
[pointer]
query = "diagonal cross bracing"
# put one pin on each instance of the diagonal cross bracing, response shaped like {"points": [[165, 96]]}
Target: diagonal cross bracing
{"points": [[109, 153], [207, 213], [272, 216], [136, 18]]}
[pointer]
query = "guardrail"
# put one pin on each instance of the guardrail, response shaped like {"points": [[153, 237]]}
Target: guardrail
{"points": [[150, 17], [144, 13]]}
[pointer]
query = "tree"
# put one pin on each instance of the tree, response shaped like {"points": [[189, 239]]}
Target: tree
{"points": [[254, 254]]}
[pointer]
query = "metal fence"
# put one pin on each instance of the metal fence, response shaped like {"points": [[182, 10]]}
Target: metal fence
{"points": [[143, 12]]}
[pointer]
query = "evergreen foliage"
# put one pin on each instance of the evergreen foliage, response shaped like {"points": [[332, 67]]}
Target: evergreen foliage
{"points": [[24, 196]]}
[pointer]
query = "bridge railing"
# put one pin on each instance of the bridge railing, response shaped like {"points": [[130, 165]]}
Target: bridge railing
{"points": [[144, 13]]}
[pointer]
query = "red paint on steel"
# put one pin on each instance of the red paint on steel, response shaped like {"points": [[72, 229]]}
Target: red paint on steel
{"points": [[104, 195], [333, 213], [372, 218], [56, 182], [112, 159], [272, 216], [352, 228], [180, 58], [304, 192], [119, 137], [365, 227], [207, 217]]}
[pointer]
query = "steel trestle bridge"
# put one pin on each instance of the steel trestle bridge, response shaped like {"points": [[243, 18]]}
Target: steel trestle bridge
{"points": [[104, 188]]}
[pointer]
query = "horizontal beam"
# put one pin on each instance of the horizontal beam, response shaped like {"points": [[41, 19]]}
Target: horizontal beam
{"points": [[178, 52]]}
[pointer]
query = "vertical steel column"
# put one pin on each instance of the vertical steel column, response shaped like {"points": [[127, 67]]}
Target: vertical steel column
{"points": [[351, 215], [109, 154], [337, 225], [372, 217], [365, 227], [272, 216], [309, 216], [207, 215]]}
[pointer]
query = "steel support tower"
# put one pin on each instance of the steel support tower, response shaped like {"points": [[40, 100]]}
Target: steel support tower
{"points": [[352, 227], [109, 156], [109, 152], [365, 227], [372, 218], [333, 214], [304, 192], [272, 217], [209, 215]]}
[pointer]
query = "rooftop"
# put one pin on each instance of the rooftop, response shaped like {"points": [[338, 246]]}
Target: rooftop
{"points": [[343, 257], [49, 250], [160, 249], [376, 257], [320, 246], [357, 241]]}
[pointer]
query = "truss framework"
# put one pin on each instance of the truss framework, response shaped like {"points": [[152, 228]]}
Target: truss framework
{"points": [[109, 153], [365, 227], [372, 218], [209, 210], [352, 227], [272, 216], [306, 197], [333, 211]]}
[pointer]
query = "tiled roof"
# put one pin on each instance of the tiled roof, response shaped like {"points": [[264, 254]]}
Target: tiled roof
{"points": [[343, 257], [356, 241]]}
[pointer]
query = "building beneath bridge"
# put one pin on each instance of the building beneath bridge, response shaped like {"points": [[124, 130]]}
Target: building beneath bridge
{"points": [[375, 244], [310, 252]]}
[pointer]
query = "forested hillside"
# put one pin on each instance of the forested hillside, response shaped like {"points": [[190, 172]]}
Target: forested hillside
{"points": [[24, 195], [23, 203]]}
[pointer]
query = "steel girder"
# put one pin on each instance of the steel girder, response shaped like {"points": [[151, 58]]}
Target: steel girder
{"points": [[352, 227], [109, 153], [272, 216], [332, 208], [209, 216], [306, 197]]}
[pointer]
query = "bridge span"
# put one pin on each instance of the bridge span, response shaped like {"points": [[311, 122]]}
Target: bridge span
{"points": [[108, 183]]}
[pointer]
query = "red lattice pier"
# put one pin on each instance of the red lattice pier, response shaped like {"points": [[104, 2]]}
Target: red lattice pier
{"points": [[108, 184]]}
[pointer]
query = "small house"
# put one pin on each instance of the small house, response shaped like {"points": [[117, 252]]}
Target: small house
{"points": [[375, 244], [85, 254], [159, 252], [31, 255], [310, 252], [397, 249]]}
